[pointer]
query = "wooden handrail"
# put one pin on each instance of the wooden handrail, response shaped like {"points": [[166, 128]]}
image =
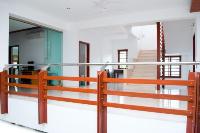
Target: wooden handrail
{"points": [[72, 100], [22, 94], [71, 89], [102, 92], [71, 78], [151, 81], [149, 95], [25, 86], [150, 109], [23, 76]]}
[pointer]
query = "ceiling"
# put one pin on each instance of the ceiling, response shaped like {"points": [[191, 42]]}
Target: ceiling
{"points": [[15, 25], [79, 10]]}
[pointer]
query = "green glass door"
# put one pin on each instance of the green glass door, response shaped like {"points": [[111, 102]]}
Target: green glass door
{"points": [[53, 52]]}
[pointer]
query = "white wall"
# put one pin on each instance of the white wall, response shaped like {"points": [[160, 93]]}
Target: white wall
{"points": [[100, 48], [76, 118], [4, 36], [70, 37], [197, 34], [179, 40], [104, 46], [70, 54], [31, 45], [147, 36], [130, 43]]}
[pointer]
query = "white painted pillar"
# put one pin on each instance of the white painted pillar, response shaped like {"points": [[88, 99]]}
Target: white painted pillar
{"points": [[4, 36], [197, 35]]}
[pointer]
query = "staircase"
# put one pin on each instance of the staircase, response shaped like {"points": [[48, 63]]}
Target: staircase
{"points": [[144, 71]]}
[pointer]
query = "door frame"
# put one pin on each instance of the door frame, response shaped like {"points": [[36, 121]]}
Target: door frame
{"points": [[88, 57], [194, 52]]}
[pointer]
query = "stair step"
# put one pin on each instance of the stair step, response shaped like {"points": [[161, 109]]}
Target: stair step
{"points": [[145, 71]]}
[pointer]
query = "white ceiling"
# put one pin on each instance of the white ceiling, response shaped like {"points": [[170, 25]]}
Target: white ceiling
{"points": [[90, 9], [15, 25]]}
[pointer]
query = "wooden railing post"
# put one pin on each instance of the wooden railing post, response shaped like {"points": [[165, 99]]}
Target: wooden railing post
{"points": [[101, 98], [158, 52], [42, 101], [192, 91], [4, 93], [197, 120]]}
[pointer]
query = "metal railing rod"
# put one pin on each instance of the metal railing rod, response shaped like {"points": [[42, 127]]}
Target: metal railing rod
{"points": [[112, 64]]}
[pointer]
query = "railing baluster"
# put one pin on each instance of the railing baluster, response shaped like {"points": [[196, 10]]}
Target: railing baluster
{"points": [[101, 98], [192, 111], [42, 101]]}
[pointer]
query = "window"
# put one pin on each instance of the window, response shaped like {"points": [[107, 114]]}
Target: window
{"points": [[123, 58], [172, 71]]}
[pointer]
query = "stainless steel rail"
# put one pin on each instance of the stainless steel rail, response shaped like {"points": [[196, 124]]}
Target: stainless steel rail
{"points": [[112, 64]]}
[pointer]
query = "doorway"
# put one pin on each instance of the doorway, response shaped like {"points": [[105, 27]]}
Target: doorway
{"points": [[36, 44], [84, 57]]}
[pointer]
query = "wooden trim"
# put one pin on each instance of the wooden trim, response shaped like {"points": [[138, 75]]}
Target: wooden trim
{"points": [[118, 55], [195, 6], [88, 57]]}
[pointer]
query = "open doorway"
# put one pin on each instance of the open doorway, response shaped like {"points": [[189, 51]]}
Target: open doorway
{"points": [[30, 43], [84, 57]]}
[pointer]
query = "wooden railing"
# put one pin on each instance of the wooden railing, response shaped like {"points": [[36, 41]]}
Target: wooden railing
{"points": [[102, 92]]}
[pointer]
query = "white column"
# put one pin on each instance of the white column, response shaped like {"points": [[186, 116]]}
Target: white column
{"points": [[4, 36], [197, 35]]}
